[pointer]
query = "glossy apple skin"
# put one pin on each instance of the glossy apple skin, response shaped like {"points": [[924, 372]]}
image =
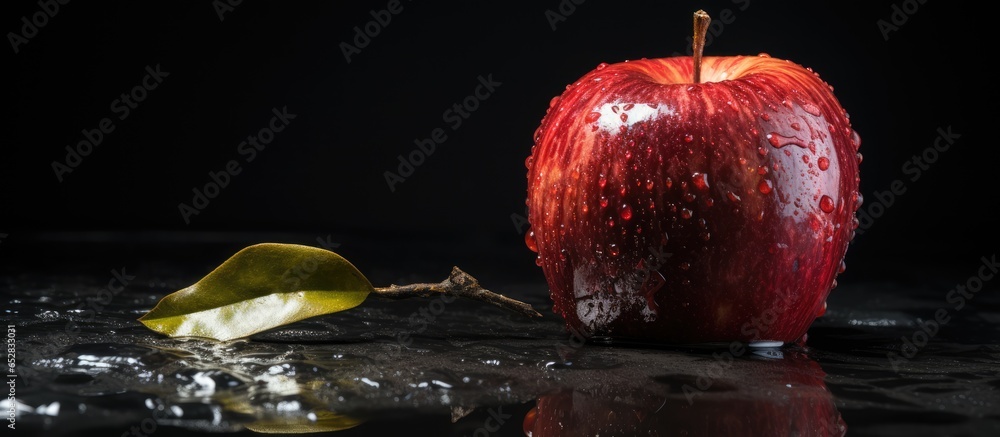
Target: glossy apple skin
{"points": [[676, 212]]}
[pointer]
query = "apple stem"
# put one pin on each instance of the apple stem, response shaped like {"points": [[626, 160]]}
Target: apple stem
{"points": [[458, 284], [701, 21]]}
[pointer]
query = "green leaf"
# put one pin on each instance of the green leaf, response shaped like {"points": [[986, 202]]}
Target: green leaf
{"points": [[261, 287]]}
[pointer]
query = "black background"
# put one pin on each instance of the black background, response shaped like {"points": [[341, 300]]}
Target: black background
{"points": [[325, 173]]}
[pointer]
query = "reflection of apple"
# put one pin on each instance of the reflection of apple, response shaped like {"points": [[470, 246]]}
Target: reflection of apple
{"points": [[776, 398], [677, 211]]}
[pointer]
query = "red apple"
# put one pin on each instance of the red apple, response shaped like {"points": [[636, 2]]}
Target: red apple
{"points": [[669, 209]]}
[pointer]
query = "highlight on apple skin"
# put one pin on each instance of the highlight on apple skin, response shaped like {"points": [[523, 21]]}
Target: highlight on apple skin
{"points": [[679, 212]]}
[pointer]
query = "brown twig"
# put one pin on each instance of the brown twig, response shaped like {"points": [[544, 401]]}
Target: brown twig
{"points": [[459, 284]]}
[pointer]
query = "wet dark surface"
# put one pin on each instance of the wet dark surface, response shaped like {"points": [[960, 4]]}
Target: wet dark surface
{"points": [[424, 367]]}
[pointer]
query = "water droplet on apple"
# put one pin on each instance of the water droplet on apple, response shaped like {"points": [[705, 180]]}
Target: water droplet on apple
{"points": [[763, 55], [733, 197], [822, 310], [686, 213], [604, 202], [843, 267], [592, 117], [538, 260], [689, 197], [624, 117], [860, 157], [688, 138], [626, 212], [628, 155], [700, 181], [611, 222], [553, 101], [779, 141], [860, 200], [628, 106], [709, 202], [762, 170], [855, 139], [765, 117], [615, 109], [796, 126], [602, 65], [529, 240], [562, 255], [826, 204], [613, 249], [527, 161], [684, 266], [765, 186], [811, 109], [823, 163], [602, 181]]}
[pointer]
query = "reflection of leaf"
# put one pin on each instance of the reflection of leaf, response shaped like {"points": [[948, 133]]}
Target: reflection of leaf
{"points": [[326, 421], [313, 414], [259, 288]]}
